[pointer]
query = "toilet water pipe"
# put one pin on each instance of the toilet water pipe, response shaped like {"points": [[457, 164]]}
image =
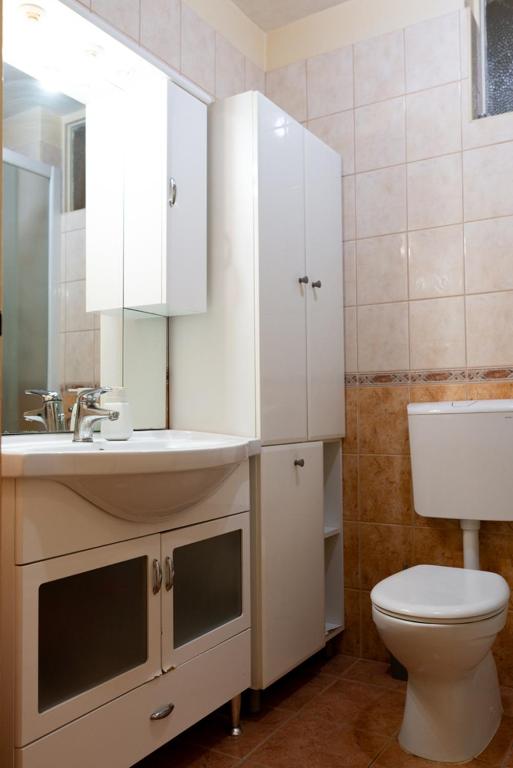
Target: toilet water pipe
{"points": [[470, 530]]}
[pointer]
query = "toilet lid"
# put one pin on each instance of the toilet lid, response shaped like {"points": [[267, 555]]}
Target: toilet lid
{"points": [[434, 593]]}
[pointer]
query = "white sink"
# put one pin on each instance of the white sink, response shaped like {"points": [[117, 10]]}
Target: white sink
{"points": [[146, 478]]}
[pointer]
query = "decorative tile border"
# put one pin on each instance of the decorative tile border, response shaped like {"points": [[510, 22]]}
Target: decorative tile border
{"points": [[446, 376]]}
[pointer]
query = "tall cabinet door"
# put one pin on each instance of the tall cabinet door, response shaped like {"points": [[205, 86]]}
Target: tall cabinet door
{"points": [[291, 614], [281, 247], [325, 303]]}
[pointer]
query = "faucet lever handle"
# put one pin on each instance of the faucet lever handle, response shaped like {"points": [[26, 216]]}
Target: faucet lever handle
{"points": [[93, 395], [48, 395]]}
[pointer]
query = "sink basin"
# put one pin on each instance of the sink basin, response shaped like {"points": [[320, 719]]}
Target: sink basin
{"points": [[146, 478]]}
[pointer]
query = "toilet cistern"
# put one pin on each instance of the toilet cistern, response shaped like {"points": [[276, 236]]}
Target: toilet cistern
{"points": [[461, 464]]}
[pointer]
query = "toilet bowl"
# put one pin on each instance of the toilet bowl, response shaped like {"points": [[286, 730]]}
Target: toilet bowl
{"points": [[441, 623]]}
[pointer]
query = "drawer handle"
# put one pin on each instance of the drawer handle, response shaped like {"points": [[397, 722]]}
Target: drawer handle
{"points": [[173, 191], [157, 576], [299, 463], [170, 573], [162, 713]]}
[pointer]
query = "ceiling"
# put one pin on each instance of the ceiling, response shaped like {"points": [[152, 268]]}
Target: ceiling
{"points": [[270, 14]]}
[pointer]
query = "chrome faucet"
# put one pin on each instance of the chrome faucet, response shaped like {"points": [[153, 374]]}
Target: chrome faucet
{"points": [[89, 412], [50, 414]]}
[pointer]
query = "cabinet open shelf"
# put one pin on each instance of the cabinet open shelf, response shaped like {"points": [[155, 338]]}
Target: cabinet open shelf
{"points": [[333, 540]]}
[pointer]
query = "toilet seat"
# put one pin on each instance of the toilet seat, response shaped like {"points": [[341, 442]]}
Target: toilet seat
{"points": [[430, 594]]}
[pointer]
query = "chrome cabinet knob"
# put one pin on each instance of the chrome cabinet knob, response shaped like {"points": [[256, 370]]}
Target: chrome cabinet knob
{"points": [[303, 280], [317, 284]]}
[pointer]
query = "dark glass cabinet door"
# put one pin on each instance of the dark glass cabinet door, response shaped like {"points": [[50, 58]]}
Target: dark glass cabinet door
{"points": [[92, 622], [206, 581]]}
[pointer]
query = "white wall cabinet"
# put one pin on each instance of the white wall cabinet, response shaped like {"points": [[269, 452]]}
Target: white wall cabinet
{"points": [[270, 346], [267, 360], [146, 240]]}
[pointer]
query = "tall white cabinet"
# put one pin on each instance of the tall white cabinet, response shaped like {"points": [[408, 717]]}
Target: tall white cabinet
{"points": [[267, 360]]}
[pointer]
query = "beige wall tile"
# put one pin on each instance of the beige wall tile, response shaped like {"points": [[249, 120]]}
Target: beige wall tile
{"points": [[350, 274], [435, 192], [381, 202], [287, 88], [348, 208], [432, 52], [437, 333], [380, 134], [382, 269], [75, 254], [198, 49], [433, 120], [350, 340], [338, 132], [230, 69], [489, 329], [488, 182], [383, 337], [435, 259], [79, 362], [77, 319], [489, 255], [161, 29], [379, 68], [330, 82], [122, 14], [255, 77]]}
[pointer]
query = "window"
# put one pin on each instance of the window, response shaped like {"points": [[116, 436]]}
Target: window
{"points": [[75, 165], [494, 92]]}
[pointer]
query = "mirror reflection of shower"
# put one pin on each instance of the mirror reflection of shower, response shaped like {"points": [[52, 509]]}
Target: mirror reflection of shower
{"points": [[43, 212]]}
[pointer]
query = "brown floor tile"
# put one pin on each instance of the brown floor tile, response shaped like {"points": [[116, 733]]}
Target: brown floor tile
{"points": [[297, 688], [343, 703], [375, 673], [384, 716], [394, 757], [339, 665], [500, 745], [176, 754], [213, 732], [307, 743]]}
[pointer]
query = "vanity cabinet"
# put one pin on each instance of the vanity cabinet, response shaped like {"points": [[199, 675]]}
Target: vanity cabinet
{"points": [[146, 243], [157, 622], [267, 360], [271, 344]]}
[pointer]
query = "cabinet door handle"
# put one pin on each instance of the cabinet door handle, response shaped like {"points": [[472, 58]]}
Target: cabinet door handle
{"points": [[163, 712], [173, 191], [157, 576], [317, 284], [303, 280], [299, 463], [170, 573]]}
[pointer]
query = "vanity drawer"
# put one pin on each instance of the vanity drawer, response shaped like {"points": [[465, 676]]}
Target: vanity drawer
{"points": [[121, 733]]}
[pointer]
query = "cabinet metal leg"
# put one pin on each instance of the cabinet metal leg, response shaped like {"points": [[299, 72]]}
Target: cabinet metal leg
{"points": [[235, 703], [255, 701]]}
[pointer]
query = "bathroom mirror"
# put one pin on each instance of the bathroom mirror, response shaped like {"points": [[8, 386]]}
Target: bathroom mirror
{"points": [[65, 325]]}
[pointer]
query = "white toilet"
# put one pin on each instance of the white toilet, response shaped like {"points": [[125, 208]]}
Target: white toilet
{"points": [[440, 622]]}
